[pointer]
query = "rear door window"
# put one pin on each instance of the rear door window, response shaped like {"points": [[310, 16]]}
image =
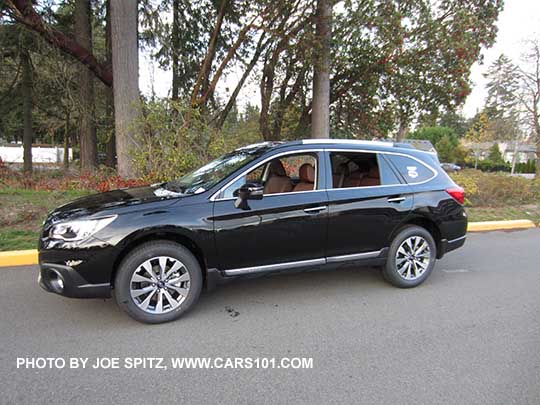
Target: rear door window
{"points": [[361, 169], [412, 170]]}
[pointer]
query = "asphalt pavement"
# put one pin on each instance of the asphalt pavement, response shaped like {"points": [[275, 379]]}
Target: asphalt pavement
{"points": [[469, 334]]}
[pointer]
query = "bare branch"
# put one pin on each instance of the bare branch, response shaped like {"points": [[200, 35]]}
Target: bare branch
{"points": [[24, 13]]}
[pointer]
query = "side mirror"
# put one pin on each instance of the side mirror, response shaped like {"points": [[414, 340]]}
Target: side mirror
{"points": [[249, 191]]}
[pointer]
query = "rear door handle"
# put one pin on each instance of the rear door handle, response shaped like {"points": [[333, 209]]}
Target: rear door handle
{"points": [[396, 199], [315, 210]]}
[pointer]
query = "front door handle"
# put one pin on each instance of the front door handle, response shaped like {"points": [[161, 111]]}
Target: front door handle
{"points": [[315, 210], [396, 199]]}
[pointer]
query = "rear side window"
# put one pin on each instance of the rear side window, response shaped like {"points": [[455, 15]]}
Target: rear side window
{"points": [[412, 170], [360, 169]]}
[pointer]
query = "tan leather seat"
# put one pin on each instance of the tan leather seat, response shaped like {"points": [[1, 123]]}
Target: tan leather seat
{"points": [[372, 178], [354, 179], [278, 181], [307, 178]]}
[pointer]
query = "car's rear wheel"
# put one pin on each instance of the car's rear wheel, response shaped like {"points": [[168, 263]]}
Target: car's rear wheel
{"points": [[411, 257], [158, 281]]}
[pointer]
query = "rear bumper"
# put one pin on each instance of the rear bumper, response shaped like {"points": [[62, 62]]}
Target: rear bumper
{"points": [[64, 280], [449, 245]]}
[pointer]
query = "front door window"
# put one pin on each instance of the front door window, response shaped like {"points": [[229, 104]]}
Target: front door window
{"points": [[285, 174]]}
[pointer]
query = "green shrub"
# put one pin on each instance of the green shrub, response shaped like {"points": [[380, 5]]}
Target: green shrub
{"points": [[495, 155], [173, 139], [497, 189], [488, 165], [444, 140], [526, 167]]}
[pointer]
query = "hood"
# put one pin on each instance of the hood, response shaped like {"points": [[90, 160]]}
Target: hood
{"points": [[111, 199]]}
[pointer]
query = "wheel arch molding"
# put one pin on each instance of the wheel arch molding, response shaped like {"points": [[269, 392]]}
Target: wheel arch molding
{"points": [[182, 236], [424, 222]]}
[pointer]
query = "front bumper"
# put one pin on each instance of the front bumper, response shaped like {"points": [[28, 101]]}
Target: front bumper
{"points": [[64, 280]]}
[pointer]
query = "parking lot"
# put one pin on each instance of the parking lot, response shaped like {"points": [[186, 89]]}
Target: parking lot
{"points": [[470, 334]]}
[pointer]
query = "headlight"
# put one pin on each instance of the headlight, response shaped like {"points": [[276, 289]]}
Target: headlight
{"points": [[75, 231]]}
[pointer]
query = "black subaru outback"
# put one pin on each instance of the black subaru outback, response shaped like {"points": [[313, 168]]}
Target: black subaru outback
{"points": [[264, 208]]}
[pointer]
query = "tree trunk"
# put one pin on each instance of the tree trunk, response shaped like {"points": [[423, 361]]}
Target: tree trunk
{"points": [[110, 146], [402, 131], [537, 171], [87, 127], [536, 123], [515, 155], [175, 47], [26, 89], [126, 78], [66, 142], [320, 117]]}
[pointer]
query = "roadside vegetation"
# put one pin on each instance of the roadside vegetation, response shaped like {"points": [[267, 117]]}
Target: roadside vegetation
{"points": [[499, 196], [23, 211], [353, 71], [26, 200]]}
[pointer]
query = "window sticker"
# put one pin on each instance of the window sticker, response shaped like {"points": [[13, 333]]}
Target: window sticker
{"points": [[412, 171]]}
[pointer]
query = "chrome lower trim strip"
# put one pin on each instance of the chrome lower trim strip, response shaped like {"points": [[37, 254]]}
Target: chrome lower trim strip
{"points": [[95, 285], [274, 267], [354, 256], [457, 239], [302, 263]]}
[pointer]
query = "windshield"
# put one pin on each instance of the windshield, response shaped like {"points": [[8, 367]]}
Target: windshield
{"points": [[212, 173]]}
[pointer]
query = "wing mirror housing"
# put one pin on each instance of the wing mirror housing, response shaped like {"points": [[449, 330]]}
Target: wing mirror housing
{"points": [[249, 191]]}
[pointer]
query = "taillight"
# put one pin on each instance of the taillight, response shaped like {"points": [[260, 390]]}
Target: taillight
{"points": [[457, 194]]}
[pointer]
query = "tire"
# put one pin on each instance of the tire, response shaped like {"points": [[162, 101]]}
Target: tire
{"points": [[406, 267], [158, 281]]}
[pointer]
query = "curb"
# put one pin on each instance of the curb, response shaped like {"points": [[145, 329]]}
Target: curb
{"points": [[18, 258], [500, 225], [29, 257]]}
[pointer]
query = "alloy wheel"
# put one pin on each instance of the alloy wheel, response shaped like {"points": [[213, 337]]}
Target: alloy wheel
{"points": [[413, 257], [160, 285]]}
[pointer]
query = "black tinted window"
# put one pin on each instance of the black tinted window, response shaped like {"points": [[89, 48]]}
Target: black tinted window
{"points": [[355, 169], [412, 170]]}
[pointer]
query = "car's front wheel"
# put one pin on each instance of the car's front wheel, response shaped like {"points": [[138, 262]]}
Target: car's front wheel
{"points": [[158, 281], [411, 257]]}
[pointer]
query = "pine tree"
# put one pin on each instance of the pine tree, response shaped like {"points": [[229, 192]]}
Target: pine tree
{"points": [[502, 102]]}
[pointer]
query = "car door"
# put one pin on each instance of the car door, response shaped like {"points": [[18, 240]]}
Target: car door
{"points": [[282, 230], [363, 209]]}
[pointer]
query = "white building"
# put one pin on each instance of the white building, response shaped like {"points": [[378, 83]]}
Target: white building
{"points": [[13, 153], [525, 151]]}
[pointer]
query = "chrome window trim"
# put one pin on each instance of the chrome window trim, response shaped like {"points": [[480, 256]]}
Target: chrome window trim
{"points": [[274, 194], [337, 149], [346, 142], [302, 263], [290, 152]]}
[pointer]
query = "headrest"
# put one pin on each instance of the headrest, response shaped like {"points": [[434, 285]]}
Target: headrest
{"points": [[307, 173], [276, 168]]}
